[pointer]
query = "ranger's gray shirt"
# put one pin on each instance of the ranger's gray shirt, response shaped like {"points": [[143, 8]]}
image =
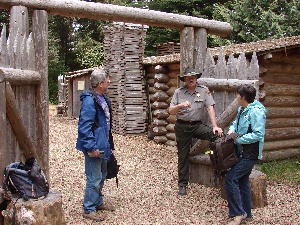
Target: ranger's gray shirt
{"points": [[200, 100]]}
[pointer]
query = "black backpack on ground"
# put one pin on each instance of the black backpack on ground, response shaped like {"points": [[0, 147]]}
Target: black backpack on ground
{"points": [[113, 168], [27, 180], [223, 154]]}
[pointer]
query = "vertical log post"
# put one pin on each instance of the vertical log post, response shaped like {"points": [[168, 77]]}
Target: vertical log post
{"points": [[40, 34], [187, 42], [200, 48], [3, 151]]}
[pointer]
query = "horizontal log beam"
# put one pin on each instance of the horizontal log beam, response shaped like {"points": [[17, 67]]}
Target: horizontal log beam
{"points": [[19, 77], [17, 124], [283, 112], [108, 12], [282, 89], [281, 101], [282, 133], [226, 84], [282, 68], [276, 78], [283, 122], [288, 56], [280, 154], [273, 145]]}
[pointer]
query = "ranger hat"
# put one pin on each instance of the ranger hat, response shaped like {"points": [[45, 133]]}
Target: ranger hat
{"points": [[190, 72]]}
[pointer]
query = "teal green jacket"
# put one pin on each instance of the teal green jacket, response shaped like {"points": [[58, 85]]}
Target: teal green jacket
{"points": [[255, 115]]}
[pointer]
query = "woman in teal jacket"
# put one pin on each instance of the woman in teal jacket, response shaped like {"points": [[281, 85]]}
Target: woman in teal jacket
{"points": [[250, 125]]}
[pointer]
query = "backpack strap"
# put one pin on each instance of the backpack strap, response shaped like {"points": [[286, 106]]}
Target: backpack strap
{"points": [[7, 195]]}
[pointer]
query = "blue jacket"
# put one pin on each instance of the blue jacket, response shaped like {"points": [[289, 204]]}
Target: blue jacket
{"points": [[254, 114], [92, 131]]}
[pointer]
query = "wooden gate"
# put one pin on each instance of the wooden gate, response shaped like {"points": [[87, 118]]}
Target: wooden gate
{"points": [[24, 107]]}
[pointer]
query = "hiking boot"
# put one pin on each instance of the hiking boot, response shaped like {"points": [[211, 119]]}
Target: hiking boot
{"points": [[182, 190], [93, 216], [105, 207], [238, 219]]}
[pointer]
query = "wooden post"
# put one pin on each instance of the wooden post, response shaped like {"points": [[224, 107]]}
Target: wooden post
{"points": [[187, 42], [200, 48], [3, 150], [40, 32]]}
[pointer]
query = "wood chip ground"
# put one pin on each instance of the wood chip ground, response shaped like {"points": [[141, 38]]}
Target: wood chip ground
{"points": [[147, 192]]}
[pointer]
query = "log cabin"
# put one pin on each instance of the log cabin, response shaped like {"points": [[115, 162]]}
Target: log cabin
{"points": [[279, 87]]}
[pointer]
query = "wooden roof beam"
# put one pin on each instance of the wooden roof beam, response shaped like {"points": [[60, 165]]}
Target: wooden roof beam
{"points": [[108, 12]]}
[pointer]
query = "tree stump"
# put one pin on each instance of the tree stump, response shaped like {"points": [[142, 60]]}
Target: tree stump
{"points": [[47, 211], [258, 189]]}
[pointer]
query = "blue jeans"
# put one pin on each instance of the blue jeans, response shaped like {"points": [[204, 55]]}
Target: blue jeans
{"points": [[238, 190], [95, 171]]}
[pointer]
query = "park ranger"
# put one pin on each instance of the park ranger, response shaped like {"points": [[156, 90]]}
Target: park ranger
{"points": [[189, 103]]}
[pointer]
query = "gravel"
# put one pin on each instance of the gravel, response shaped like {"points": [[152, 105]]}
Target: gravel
{"points": [[147, 192]]}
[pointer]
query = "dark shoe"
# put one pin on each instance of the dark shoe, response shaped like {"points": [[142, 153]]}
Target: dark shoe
{"points": [[93, 216], [182, 190], [105, 207]]}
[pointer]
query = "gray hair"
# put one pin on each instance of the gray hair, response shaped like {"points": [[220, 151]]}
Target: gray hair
{"points": [[98, 75]]}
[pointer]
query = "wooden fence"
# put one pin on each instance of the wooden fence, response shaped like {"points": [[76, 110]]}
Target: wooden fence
{"points": [[24, 84]]}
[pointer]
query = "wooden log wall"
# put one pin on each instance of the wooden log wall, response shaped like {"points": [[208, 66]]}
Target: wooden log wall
{"points": [[124, 48], [24, 84], [276, 76], [281, 79], [221, 76], [162, 81]]}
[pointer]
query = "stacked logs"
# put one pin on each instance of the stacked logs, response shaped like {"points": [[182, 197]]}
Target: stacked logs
{"points": [[281, 78], [162, 81], [124, 47]]}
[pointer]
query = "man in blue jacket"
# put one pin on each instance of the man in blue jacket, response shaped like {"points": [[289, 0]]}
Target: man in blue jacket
{"points": [[95, 141], [250, 125]]}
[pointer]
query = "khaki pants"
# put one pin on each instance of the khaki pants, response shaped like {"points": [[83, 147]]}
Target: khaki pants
{"points": [[184, 134]]}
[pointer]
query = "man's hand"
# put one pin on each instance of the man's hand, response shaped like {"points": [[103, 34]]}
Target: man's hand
{"points": [[217, 130], [96, 153], [185, 104]]}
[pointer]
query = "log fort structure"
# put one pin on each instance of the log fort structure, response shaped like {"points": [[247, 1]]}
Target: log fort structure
{"points": [[224, 69], [24, 71], [274, 65], [271, 66]]}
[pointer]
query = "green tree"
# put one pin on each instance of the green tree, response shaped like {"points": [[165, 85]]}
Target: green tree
{"points": [[157, 35], [4, 19], [254, 20]]}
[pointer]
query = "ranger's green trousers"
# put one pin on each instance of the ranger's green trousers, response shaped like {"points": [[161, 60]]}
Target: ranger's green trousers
{"points": [[184, 134]]}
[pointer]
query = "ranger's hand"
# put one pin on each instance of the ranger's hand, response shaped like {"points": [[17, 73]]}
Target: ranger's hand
{"points": [[218, 131], [185, 104]]}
